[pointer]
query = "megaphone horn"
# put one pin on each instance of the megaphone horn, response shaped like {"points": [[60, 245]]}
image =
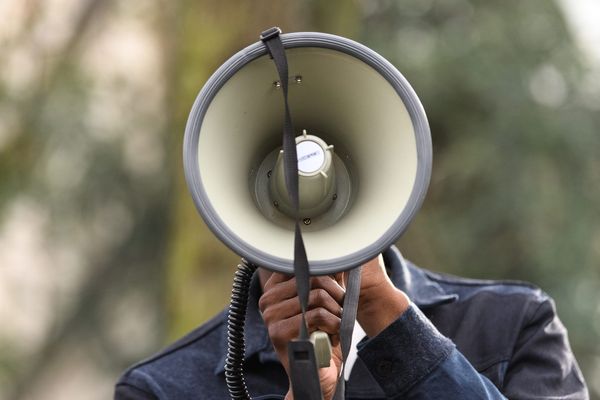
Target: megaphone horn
{"points": [[363, 144]]}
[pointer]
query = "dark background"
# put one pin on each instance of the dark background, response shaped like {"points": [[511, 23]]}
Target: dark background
{"points": [[103, 258]]}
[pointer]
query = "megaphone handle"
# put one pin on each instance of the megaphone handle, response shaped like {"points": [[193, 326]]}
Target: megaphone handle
{"points": [[304, 374]]}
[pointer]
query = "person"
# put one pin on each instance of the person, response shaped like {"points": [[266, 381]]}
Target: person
{"points": [[428, 336]]}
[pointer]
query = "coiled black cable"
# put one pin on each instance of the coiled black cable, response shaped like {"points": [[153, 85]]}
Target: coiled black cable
{"points": [[236, 346]]}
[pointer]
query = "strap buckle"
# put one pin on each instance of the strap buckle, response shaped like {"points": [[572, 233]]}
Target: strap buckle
{"points": [[270, 33]]}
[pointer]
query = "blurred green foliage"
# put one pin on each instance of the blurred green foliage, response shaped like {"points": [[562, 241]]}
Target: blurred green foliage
{"points": [[514, 190], [95, 156]]}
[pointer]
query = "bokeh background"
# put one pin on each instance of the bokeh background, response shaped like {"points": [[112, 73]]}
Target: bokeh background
{"points": [[103, 258]]}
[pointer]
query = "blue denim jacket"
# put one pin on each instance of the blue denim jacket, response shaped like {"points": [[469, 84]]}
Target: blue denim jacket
{"points": [[460, 339]]}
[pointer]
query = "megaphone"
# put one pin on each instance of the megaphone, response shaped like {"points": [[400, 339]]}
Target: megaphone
{"points": [[363, 144]]}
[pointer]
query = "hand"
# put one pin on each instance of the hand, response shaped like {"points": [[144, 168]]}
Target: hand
{"points": [[380, 303], [280, 309]]}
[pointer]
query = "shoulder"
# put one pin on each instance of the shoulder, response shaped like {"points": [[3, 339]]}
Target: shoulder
{"points": [[489, 318], [508, 330], [206, 338], [511, 303], [430, 289], [469, 290], [187, 364]]}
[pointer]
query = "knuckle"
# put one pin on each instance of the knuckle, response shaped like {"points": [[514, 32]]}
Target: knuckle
{"points": [[264, 301], [320, 315], [320, 295], [267, 316], [274, 332], [280, 334], [316, 282]]}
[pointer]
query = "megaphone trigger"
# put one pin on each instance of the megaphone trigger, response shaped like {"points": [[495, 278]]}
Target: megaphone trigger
{"points": [[322, 345]]}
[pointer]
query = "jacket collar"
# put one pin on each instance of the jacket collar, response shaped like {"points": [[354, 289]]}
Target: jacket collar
{"points": [[415, 282]]}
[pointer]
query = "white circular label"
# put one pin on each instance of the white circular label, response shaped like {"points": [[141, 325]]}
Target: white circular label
{"points": [[311, 156]]}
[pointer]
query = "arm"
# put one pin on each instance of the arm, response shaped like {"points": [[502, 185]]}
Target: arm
{"points": [[406, 354], [411, 359], [405, 347]]}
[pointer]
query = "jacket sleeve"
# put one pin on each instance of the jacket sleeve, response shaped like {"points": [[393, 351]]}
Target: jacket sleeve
{"points": [[543, 365], [411, 359]]}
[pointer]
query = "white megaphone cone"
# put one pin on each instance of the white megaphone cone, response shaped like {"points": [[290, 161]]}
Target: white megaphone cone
{"points": [[364, 163]]}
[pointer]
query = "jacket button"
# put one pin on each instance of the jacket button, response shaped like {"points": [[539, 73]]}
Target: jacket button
{"points": [[384, 368]]}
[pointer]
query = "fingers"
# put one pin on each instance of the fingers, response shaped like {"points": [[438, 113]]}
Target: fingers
{"points": [[274, 279], [282, 331], [279, 288], [281, 311], [331, 286], [290, 307]]}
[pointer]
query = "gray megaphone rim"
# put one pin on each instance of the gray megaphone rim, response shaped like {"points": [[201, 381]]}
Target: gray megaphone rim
{"points": [[328, 41]]}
